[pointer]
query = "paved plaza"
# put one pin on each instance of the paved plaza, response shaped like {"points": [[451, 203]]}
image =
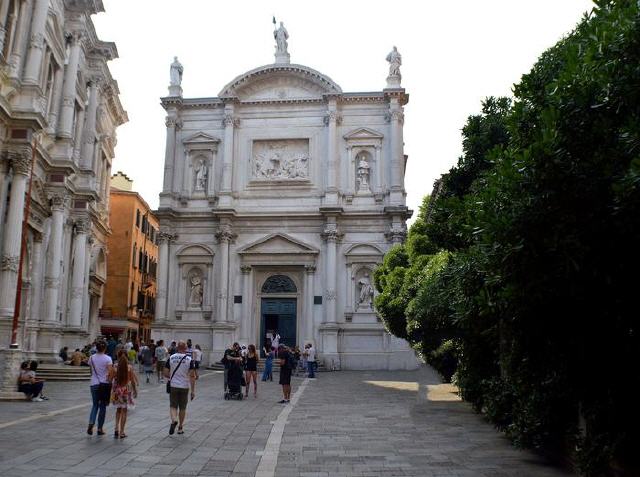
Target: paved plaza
{"points": [[348, 423]]}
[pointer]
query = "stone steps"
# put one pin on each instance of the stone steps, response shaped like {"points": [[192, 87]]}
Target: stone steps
{"points": [[61, 372]]}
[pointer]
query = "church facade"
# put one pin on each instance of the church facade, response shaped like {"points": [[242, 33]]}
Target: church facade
{"points": [[280, 197]]}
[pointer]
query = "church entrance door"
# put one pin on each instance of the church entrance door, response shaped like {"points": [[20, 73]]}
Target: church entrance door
{"points": [[278, 315]]}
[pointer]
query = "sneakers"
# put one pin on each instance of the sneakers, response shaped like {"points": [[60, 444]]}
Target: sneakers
{"points": [[284, 401], [172, 428], [36, 399], [44, 398]]}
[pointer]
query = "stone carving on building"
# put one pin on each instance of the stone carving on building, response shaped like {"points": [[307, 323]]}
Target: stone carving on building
{"points": [[283, 159], [363, 173], [281, 35], [196, 293], [395, 61], [279, 284], [10, 262], [176, 73], [365, 292], [200, 173]]}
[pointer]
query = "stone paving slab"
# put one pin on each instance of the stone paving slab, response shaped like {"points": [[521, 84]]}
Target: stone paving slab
{"points": [[343, 424]]}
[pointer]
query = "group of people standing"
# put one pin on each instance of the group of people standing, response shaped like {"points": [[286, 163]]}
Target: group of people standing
{"points": [[247, 358], [116, 381]]}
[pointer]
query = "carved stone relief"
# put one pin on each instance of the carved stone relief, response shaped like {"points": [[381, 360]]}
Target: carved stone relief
{"points": [[283, 159]]}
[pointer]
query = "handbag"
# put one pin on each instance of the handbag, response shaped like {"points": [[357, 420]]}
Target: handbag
{"points": [[104, 389], [172, 374]]}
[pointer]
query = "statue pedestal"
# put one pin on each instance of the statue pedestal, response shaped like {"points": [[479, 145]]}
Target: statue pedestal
{"points": [[394, 81], [175, 90], [283, 58], [9, 371]]}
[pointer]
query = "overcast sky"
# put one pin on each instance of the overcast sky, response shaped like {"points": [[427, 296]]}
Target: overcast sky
{"points": [[454, 53]]}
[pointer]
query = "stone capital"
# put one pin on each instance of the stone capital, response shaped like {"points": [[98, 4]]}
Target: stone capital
{"points": [[165, 237], [21, 160], [9, 262], [82, 226], [58, 201], [225, 234], [331, 233], [245, 269], [230, 120], [396, 234], [332, 117], [395, 115], [310, 269]]}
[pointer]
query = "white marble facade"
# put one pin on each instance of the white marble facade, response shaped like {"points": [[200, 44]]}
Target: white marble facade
{"points": [[280, 197], [59, 110]]}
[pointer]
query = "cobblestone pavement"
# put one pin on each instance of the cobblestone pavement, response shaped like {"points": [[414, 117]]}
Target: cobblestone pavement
{"points": [[345, 423]]}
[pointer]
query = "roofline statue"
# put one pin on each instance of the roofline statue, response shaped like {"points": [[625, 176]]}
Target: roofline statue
{"points": [[281, 35], [175, 78]]}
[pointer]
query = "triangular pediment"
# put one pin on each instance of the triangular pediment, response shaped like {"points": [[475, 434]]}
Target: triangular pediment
{"points": [[363, 133], [201, 138], [278, 244]]}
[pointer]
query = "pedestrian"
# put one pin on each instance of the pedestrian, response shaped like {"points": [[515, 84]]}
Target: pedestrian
{"points": [[131, 355], [172, 348], [161, 359], [146, 360], [123, 392], [251, 370], [296, 358], [189, 348], [286, 367], [64, 354], [111, 347], [275, 343], [29, 384], [179, 369], [267, 374], [231, 355], [311, 360], [100, 364], [197, 359]]}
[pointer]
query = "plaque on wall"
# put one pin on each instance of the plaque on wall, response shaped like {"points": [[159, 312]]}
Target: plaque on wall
{"points": [[280, 160]]}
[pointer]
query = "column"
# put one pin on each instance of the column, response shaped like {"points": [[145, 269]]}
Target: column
{"points": [[225, 236], [4, 186], [77, 136], [4, 12], [36, 277], [309, 289], [85, 287], [378, 173], [69, 88], [170, 150], [58, 80], [89, 135], [163, 276], [351, 180], [331, 235], [331, 120], [247, 331], [20, 39], [229, 122], [36, 44], [21, 164], [81, 227], [52, 275], [396, 118]]}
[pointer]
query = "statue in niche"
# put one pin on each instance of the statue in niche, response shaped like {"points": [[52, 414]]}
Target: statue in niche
{"points": [[363, 173], [395, 60], [200, 174], [176, 72], [366, 292], [281, 35], [196, 294]]}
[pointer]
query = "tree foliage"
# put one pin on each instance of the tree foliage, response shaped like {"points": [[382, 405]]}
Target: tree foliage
{"points": [[522, 274]]}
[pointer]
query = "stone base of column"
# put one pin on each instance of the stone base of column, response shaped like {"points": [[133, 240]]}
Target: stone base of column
{"points": [[74, 337], [223, 336], [329, 346], [10, 360], [397, 197], [225, 199], [330, 198], [49, 343]]}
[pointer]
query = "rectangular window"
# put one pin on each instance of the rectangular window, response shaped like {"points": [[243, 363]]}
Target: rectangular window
{"points": [[138, 218]]}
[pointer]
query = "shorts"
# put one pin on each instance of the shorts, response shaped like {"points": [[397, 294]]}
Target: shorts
{"points": [[160, 366], [285, 376], [196, 364], [178, 398]]}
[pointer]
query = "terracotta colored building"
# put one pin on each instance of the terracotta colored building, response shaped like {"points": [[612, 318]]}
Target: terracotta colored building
{"points": [[129, 305]]}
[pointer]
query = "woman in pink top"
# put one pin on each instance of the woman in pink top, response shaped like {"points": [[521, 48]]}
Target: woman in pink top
{"points": [[100, 364]]}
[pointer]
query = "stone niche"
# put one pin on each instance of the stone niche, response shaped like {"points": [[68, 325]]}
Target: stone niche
{"points": [[280, 160]]}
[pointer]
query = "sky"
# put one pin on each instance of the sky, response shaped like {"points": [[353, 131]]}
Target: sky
{"points": [[454, 54]]}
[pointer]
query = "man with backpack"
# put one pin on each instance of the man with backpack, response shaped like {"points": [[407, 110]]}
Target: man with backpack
{"points": [[286, 368]]}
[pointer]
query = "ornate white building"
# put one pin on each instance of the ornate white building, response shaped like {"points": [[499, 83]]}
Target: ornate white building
{"points": [[280, 196], [58, 105]]}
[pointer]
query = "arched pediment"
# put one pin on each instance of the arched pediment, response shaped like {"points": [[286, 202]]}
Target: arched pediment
{"points": [[280, 82], [363, 249], [195, 251]]}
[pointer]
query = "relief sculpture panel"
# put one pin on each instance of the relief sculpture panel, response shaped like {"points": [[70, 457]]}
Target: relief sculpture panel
{"points": [[282, 159]]}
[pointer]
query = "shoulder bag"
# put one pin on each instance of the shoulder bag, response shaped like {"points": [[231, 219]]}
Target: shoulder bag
{"points": [[172, 374]]}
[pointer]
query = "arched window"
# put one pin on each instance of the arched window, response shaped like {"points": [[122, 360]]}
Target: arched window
{"points": [[279, 284]]}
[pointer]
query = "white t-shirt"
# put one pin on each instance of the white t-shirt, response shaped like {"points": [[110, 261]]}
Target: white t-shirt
{"points": [[161, 353], [311, 354], [197, 355], [99, 364], [181, 377]]}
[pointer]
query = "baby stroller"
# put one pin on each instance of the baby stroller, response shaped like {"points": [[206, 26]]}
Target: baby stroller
{"points": [[235, 383]]}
